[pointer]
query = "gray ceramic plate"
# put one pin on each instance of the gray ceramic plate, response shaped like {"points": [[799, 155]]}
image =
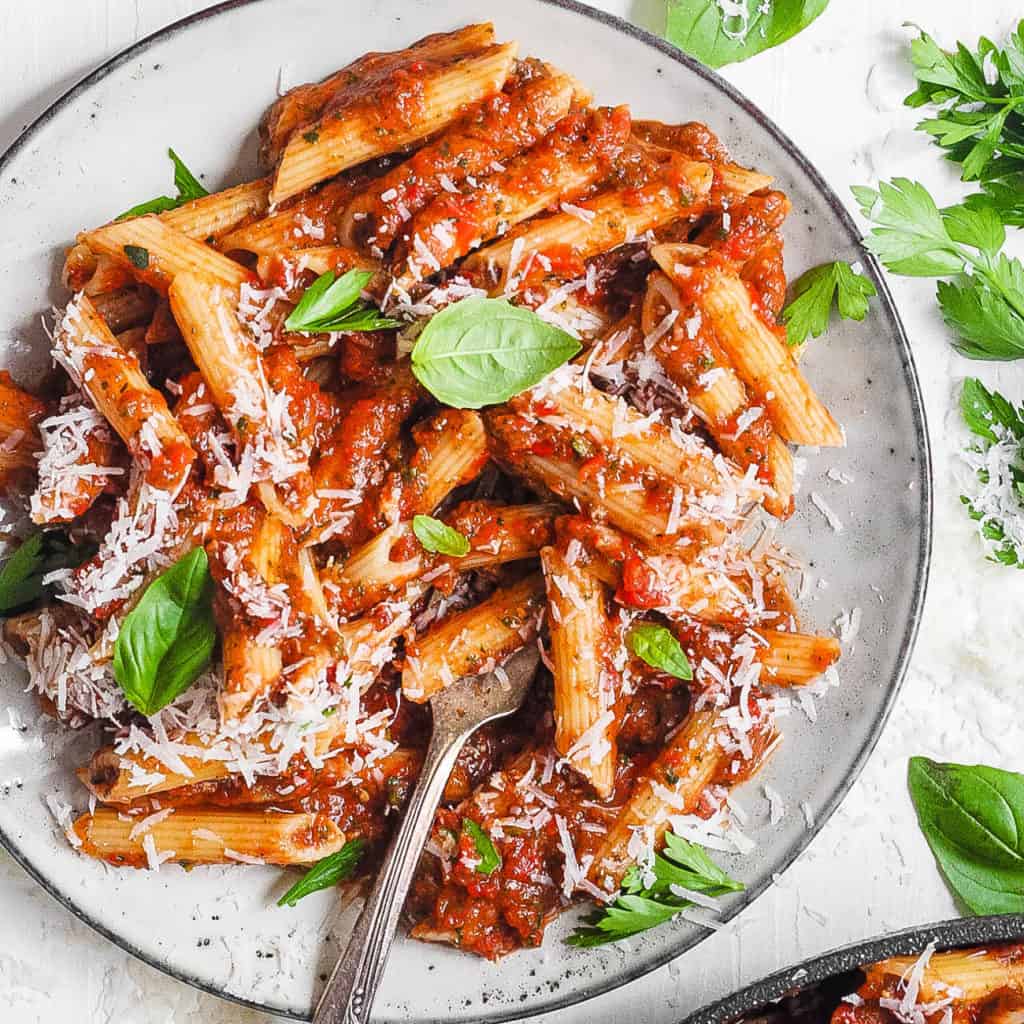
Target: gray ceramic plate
{"points": [[960, 933], [201, 86]]}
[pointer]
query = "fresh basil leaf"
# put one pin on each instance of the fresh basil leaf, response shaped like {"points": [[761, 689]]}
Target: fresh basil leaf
{"points": [[660, 649], [639, 907], [185, 182], [331, 304], [438, 537], [807, 314], [480, 352], [973, 819], [167, 639], [490, 859], [332, 869], [137, 256], [709, 31], [21, 578]]}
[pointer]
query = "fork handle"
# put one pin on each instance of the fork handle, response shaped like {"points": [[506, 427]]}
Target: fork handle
{"points": [[348, 997]]}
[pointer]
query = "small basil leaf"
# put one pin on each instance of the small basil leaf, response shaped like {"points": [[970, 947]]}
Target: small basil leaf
{"points": [[167, 639], [490, 859], [973, 819], [327, 299], [704, 28], [21, 578], [137, 256], [185, 181], [438, 537], [660, 649], [334, 868], [483, 351]]}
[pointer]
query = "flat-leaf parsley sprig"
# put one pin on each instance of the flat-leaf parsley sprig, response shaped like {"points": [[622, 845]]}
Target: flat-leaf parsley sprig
{"points": [[980, 121], [981, 293], [996, 503], [675, 880], [808, 312]]}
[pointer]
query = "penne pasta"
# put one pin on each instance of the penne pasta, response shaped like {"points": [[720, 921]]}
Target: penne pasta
{"points": [[795, 659], [117, 387], [585, 691], [473, 641], [155, 253], [20, 413], [972, 976], [578, 152], [380, 123], [493, 131], [201, 836], [212, 216]]}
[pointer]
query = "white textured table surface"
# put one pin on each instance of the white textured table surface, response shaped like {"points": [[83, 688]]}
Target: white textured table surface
{"points": [[837, 90]]}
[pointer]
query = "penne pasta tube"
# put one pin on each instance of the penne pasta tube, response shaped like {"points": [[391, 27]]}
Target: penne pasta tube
{"points": [[379, 123], [758, 355], [493, 131], [451, 450], [794, 659], [203, 836], [209, 217], [287, 265], [565, 240], [230, 363], [473, 641], [117, 387], [154, 253], [120, 778], [305, 103], [20, 413], [578, 152], [496, 534], [674, 784], [650, 508], [974, 977], [585, 720]]}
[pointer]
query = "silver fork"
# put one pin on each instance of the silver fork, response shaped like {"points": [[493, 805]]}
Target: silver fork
{"points": [[458, 712]]}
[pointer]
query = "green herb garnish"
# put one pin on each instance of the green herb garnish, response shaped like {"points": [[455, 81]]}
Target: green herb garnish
{"points": [[710, 30], [980, 121], [330, 304], [137, 256], [167, 639], [660, 649], [982, 296], [681, 864], [971, 816], [21, 578], [483, 351], [185, 182], [490, 859], [334, 868], [438, 537], [807, 313]]}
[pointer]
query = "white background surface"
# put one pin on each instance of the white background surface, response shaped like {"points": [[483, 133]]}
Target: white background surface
{"points": [[837, 90]]}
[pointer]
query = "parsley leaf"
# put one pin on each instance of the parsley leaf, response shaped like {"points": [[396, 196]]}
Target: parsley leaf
{"points": [[490, 859], [438, 537], [997, 504], [984, 299], [21, 578], [980, 120], [657, 646], [331, 304], [185, 182], [334, 868], [813, 292], [681, 867]]}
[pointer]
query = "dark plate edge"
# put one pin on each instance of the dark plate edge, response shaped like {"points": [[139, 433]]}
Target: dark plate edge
{"points": [[925, 473], [957, 933]]}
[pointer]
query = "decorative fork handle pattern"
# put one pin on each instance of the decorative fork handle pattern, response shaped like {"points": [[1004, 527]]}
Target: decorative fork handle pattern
{"points": [[348, 997]]}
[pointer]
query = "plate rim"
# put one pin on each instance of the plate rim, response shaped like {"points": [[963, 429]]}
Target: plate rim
{"points": [[952, 933], [625, 975]]}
